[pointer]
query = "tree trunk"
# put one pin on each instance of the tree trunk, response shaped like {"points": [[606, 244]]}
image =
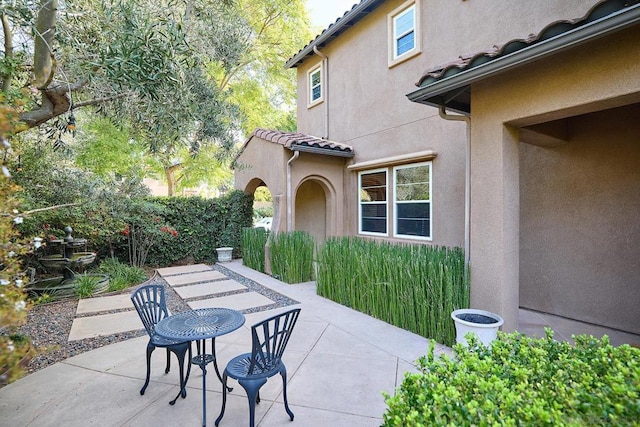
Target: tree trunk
{"points": [[43, 49], [170, 173]]}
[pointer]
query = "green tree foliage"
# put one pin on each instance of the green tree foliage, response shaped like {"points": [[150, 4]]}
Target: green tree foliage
{"points": [[109, 150], [260, 85]]}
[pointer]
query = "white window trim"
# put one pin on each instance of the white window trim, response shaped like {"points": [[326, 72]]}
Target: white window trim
{"points": [[395, 204], [393, 59], [312, 71], [369, 233]]}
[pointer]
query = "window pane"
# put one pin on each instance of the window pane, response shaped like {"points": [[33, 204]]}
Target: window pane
{"points": [[374, 225], [315, 78], [316, 93], [404, 22], [374, 217], [412, 175], [405, 44], [373, 187], [373, 202], [413, 219], [409, 192]]}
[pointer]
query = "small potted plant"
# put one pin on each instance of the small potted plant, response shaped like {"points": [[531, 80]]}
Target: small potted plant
{"points": [[483, 324]]}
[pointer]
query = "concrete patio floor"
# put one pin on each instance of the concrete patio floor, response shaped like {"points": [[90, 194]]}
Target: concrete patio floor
{"points": [[339, 362]]}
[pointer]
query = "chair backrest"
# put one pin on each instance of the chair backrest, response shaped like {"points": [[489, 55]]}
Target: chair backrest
{"points": [[150, 304], [269, 340]]}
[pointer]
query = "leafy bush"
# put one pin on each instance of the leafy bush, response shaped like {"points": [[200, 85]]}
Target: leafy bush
{"points": [[121, 276], [522, 381], [253, 241], [85, 285], [292, 256], [203, 225], [414, 287]]}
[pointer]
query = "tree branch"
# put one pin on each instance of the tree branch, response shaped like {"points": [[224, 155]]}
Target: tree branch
{"points": [[8, 51], [98, 100]]}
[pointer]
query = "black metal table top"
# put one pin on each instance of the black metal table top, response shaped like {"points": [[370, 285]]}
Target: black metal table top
{"points": [[200, 324]]}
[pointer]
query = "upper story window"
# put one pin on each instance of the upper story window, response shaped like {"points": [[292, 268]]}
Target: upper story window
{"points": [[404, 31], [315, 85]]}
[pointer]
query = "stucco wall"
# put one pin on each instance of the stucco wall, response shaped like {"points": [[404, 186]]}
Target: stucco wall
{"points": [[265, 161], [598, 76], [368, 110], [580, 222]]}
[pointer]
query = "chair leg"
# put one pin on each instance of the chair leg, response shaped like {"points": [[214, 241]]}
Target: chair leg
{"points": [[224, 398], [150, 348], [252, 387], [283, 374], [180, 354], [168, 368]]}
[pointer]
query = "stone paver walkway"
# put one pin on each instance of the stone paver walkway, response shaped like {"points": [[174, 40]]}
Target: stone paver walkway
{"points": [[198, 285]]}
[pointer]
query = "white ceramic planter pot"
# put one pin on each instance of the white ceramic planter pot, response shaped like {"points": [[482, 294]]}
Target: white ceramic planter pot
{"points": [[482, 323], [224, 254]]}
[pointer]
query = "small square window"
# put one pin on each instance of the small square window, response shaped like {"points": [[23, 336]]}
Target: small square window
{"points": [[404, 32], [315, 85]]}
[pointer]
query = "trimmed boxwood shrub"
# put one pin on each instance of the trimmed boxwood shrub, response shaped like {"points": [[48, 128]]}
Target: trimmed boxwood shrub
{"points": [[522, 381]]}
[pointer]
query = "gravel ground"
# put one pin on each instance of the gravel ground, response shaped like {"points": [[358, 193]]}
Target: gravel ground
{"points": [[49, 325]]}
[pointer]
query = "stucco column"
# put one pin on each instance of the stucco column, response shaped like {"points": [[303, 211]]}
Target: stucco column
{"points": [[495, 213], [275, 227]]}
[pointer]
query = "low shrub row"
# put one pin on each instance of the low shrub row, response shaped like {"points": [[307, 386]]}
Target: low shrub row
{"points": [[522, 381]]}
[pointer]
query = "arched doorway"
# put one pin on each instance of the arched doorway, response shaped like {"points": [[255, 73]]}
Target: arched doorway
{"points": [[311, 203]]}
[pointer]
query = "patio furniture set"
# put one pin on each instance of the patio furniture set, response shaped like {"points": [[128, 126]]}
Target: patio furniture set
{"points": [[176, 333]]}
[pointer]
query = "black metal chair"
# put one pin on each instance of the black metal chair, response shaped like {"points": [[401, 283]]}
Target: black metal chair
{"points": [[251, 370], [150, 303]]}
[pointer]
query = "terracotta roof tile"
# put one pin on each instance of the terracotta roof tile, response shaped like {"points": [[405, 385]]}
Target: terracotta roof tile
{"points": [[463, 62], [291, 140]]}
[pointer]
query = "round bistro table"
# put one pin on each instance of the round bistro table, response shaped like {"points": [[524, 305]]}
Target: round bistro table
{"points": [[199, 325]]}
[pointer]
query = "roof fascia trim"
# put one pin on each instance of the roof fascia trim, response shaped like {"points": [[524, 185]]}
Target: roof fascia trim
{"points": [[590, 31], [323, 151], [395, 160], [330, 32]]}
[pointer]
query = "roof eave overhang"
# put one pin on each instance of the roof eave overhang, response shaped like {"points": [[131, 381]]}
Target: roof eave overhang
{"points": [[440, 92], [355, 14], [322, 151]]}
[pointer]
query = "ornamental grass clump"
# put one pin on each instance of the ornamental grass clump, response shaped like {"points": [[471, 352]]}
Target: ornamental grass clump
{"points": [[521, 381], [292, 256], [253, 241], [414, 287]]}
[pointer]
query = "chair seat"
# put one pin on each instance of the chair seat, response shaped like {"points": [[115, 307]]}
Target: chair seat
{"points": [[159, 341], [238, 368]]}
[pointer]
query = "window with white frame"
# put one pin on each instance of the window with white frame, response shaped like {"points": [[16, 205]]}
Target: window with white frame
{"points": [[372, 187], [315, 85], [404, 27], [412, 200]]}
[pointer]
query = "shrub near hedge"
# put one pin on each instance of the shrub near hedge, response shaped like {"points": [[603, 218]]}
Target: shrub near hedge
{"points": [[522, 381]]}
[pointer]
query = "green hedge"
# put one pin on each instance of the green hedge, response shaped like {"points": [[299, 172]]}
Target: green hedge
{"points": [[522, 381], [414, 287], [202, 225]]}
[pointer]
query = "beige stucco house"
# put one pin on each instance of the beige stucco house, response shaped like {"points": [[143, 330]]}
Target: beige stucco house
{"points": [[509, 128]]}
